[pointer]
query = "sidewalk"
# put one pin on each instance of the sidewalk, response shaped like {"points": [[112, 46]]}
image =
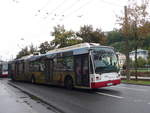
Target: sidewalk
{"points": [[13, 100], [10, 104]]}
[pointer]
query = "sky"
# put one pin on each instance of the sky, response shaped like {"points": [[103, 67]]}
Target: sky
{"points": [[25, 22]]}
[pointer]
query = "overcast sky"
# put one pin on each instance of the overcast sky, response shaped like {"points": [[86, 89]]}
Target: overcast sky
{"points": [[23, 22]]}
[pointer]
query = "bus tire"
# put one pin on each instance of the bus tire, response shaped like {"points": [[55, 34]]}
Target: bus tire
{"points": [[33, 80], [68, 83]]}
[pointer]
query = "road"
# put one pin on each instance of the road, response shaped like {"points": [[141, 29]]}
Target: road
{"points": [[123, 98]]}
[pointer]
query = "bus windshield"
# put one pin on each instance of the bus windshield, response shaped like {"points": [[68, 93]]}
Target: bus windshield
{"points": [[105, 60]]}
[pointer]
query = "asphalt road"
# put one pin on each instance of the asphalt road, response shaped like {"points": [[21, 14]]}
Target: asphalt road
{"points": [[123, 98]]}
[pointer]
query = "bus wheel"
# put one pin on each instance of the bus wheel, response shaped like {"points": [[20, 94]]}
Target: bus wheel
{"points": [[33, 80], [68, 83]]}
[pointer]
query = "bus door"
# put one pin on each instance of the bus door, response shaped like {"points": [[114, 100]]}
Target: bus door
{"points": [[49, 70], [82, 70]]}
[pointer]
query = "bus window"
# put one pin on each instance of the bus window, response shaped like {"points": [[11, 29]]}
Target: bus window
{"points": [[63, 64]]}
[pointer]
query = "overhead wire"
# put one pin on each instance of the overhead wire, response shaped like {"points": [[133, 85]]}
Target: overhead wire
{"points": [[45, 5], [110, 3], [70, 7], [88, 2], [57, 7], [62, 13], [76, 10]]}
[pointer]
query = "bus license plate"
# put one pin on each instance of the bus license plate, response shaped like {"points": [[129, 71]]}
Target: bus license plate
{"points": [[109, 84]]}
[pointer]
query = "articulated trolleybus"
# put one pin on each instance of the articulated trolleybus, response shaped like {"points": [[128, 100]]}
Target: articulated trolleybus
{"points": [[85, 65]]}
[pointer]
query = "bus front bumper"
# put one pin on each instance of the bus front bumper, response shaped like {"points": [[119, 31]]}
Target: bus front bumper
{"points": [[105, 83]]}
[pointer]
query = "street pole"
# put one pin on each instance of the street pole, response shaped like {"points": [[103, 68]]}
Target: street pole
{"points": [[126, 32]]}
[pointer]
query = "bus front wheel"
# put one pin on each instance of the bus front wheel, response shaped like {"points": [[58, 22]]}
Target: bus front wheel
{"points": [[68, 82]]}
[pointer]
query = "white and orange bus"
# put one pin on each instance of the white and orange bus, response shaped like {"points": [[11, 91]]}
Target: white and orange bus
{"points": [[85, 65]]}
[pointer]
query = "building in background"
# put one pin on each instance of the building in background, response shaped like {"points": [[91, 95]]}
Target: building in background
{"points": [[121, 59], [140, 54]]}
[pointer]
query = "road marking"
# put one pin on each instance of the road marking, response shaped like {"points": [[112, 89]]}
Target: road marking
{"points": [[132, 88], [105, 94]]}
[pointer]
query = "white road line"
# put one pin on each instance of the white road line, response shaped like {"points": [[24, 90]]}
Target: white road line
{"points": [[105, 94], [132, 88]]}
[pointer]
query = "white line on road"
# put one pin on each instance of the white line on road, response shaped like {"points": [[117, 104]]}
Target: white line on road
{"points": [[131, 88], [105, 94]]}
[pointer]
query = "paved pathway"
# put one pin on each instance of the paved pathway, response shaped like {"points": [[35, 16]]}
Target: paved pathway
{"points": [[13, 100]]}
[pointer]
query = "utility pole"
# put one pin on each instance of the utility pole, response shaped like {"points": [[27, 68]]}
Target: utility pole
{"points": [[136, 47], [126, 33]]}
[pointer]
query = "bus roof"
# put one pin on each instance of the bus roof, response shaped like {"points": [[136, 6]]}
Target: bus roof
{"points": [[77, 46], [75, 49]]}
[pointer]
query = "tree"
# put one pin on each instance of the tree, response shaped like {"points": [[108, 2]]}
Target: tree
{"points": [[114, 36], [116, 39], [134, 25], [32, 49], [45, 47], [88, 34], [141, 62], [146, 43], [23, 52], [138, 19], [125, 29], [63, 38], [148, 61]]}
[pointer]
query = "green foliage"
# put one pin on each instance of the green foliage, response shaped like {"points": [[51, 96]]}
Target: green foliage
{"points": [[143, 82], [32, 49], [119, 46], [114, 36], [23, 52], [88, 34], [116, 39], [146, 43], [45, 47], [141, 62], [148, 61], [26, 51], [63, 38]]}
